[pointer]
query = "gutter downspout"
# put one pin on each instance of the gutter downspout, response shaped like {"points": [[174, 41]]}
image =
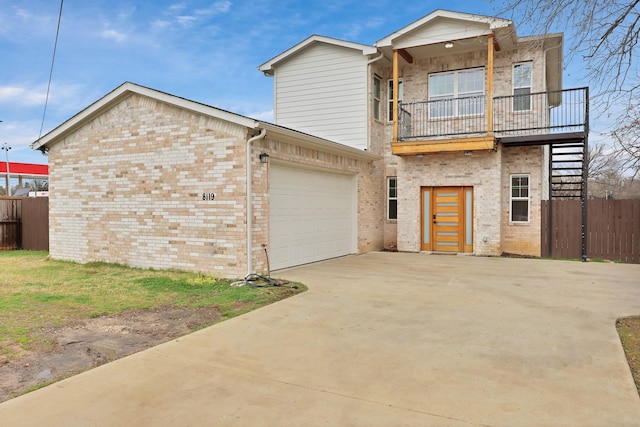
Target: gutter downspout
{"points": [[262, 134], [371, 61]]}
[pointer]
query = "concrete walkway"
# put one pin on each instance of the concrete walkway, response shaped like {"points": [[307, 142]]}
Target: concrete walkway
{"points": [[383, 339]]}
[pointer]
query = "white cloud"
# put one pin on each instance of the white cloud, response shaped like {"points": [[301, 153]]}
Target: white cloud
{"points": [[68, 95], [160, 24], [114, 35], [21, 24], [216, 8], [19, 135], [223, 6], [186, 20], [358, 27], [178, 14], [21, 96], [126, 14], [177, 7]]}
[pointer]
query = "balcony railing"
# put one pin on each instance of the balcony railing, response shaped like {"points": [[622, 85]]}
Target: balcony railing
{"points": [[442, 118], [561, 111], [564, 111]]}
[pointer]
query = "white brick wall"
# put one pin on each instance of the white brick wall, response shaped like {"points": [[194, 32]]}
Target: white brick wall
{"points": [[480, 171], [522, 238], [487, 172], [127, 188]]}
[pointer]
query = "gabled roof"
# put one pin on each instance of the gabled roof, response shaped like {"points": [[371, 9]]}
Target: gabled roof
{"points": [[127, 89], [458, 25], [268, 66], [121, 93]]}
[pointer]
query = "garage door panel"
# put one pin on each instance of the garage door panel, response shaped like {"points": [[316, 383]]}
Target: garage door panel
{"points": [[312, 215]]}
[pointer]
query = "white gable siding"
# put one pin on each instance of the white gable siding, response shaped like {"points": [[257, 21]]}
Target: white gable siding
{"points": [[442, 30], [323, 91]]}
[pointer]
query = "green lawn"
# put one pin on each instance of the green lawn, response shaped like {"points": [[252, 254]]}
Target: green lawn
{"points": [[37, 292]]}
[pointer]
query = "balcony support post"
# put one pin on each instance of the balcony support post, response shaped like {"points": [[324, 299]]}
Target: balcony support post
{"points": [[396, 86], [490, 47]]}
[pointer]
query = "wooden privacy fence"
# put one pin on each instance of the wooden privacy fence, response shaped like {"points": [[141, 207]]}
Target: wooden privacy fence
{"points": [[613, 229], [24, 223], [10, 214]]}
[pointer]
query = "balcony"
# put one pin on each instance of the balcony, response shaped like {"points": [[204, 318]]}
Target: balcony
{"points": [[471, 123]]}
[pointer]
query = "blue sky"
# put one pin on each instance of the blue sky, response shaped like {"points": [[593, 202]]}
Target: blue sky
{"points": [[207, 51]]}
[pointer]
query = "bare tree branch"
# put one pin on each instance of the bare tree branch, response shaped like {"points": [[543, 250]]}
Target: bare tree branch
{"points": [[605, 35]]}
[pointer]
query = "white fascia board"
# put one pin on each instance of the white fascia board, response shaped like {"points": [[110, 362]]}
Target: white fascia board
{"points": [[268, 67], [301, 139], [124, 91], [492, 22], [197, 107]]}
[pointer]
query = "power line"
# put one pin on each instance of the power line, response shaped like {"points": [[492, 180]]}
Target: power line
{"points": [[53, 59]]}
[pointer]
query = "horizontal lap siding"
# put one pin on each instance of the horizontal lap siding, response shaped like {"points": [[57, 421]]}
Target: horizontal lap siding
{"points": [[322, 91]]}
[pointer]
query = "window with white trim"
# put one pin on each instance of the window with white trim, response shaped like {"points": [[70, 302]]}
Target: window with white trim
{"points": [[392, 198], [390, 97], [522, 86], [456, 93], [377, 90], [519, 198]]}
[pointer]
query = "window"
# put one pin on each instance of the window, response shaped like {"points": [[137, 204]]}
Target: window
{"points": [[390, 97], [519, 198], [456, 93], [392, 197], [522, 87], [377, 83]]}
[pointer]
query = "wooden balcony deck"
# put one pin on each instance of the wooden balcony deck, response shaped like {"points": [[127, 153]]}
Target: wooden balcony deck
{"points": [[462, 124]]}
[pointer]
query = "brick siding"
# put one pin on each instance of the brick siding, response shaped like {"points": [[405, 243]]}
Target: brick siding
{"points": [[128, 186], [487, 172]]}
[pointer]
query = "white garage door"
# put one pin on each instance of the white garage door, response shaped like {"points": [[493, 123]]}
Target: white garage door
{"points": [[312, 215]]}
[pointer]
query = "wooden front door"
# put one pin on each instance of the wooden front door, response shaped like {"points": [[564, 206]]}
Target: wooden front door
{"points": [[447, 214]]}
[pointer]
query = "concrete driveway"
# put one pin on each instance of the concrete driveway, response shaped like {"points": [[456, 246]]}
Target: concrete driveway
{"points": [[383, 339]]}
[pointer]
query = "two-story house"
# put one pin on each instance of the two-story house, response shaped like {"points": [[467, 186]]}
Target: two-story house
{"points": [[443, 136], [467, 115]]}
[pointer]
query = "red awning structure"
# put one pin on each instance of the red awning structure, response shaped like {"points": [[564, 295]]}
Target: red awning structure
{"points": [[25, 169]]}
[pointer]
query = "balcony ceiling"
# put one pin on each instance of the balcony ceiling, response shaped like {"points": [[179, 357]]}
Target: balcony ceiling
{"points": [[438, 49]]}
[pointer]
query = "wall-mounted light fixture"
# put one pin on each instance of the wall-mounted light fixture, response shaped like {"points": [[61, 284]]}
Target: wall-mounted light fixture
{"points": [[264, 158], [468, 153], [448, 45], [419, 156]]}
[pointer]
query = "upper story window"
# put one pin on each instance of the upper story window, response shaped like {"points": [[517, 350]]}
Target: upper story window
{"points": [[377, 90], [519, 198], [522, 86], [456, 93], [390, 97]]}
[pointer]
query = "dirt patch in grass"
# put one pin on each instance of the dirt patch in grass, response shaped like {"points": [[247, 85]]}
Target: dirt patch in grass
{"points": [[58, 318], [629, 330], [85, 344]]}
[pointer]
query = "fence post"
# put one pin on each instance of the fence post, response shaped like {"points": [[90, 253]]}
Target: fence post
{"points": [[585, 176]]}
